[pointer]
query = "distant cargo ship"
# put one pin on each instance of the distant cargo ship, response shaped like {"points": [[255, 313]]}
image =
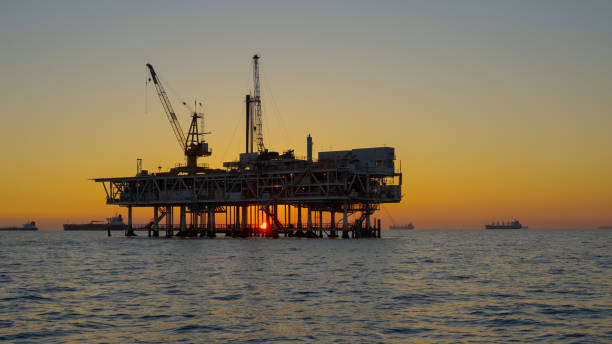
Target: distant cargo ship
{"points": [[26, 227], [408, 226], [114, 223], [605, 227], [505, 225]]}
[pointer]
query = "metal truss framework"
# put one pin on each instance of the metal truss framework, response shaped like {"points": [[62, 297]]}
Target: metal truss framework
{"points": [[322, 189], [251, 195]]}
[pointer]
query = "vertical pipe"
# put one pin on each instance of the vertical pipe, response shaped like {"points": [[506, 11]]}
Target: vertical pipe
{"points": [[309, 148], [248, 123], [332, 219], [309, 219], [299, 216]]}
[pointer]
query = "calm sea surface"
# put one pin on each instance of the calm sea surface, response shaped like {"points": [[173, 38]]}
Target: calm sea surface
{"points": [[410, 286]]}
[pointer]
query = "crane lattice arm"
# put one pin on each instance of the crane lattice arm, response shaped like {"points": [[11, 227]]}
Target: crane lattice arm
{"points": [[163, 97]]}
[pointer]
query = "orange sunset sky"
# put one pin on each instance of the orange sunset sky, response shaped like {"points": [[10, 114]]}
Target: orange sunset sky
{"points": [[496, 109]]}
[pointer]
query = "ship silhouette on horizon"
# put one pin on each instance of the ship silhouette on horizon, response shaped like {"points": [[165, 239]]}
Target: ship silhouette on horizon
{"points": [[515, 224]]}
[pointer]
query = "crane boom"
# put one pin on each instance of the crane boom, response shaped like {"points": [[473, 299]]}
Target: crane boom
{"points": [[163, 97]]}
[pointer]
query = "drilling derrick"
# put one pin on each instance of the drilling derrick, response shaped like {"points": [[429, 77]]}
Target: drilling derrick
{"points": [[256, 105]]}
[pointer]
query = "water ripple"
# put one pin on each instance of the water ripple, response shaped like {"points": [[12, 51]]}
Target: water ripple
{"points": [[415, 286]]}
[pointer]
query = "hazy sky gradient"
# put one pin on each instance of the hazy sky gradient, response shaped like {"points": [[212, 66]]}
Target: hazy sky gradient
{"points": [[496, 109]]}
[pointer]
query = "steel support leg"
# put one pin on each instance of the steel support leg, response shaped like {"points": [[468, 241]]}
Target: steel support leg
{"points": [[169, 221], [309, 219], [244, 218], [183, 219], [345, 221], [130, 229], [155, 221]]}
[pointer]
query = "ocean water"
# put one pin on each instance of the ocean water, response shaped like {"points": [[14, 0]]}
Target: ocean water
{"points": [[417, 286]]}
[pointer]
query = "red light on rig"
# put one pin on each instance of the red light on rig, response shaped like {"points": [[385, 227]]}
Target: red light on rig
{"points": [[263, 226]]}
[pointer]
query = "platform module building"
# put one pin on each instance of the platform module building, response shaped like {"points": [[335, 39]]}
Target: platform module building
{"points": [[265, 193]]}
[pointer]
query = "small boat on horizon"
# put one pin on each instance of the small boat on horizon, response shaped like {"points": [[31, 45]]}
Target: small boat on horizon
{"points": [[505, 225], [31, 226], [405, 226], [114, 223]]}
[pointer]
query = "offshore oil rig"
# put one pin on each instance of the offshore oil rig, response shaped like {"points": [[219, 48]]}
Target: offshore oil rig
{"points": [[263, 193]]}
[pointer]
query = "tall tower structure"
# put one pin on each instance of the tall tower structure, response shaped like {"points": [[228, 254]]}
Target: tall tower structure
{"points": [[256, 101]]}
